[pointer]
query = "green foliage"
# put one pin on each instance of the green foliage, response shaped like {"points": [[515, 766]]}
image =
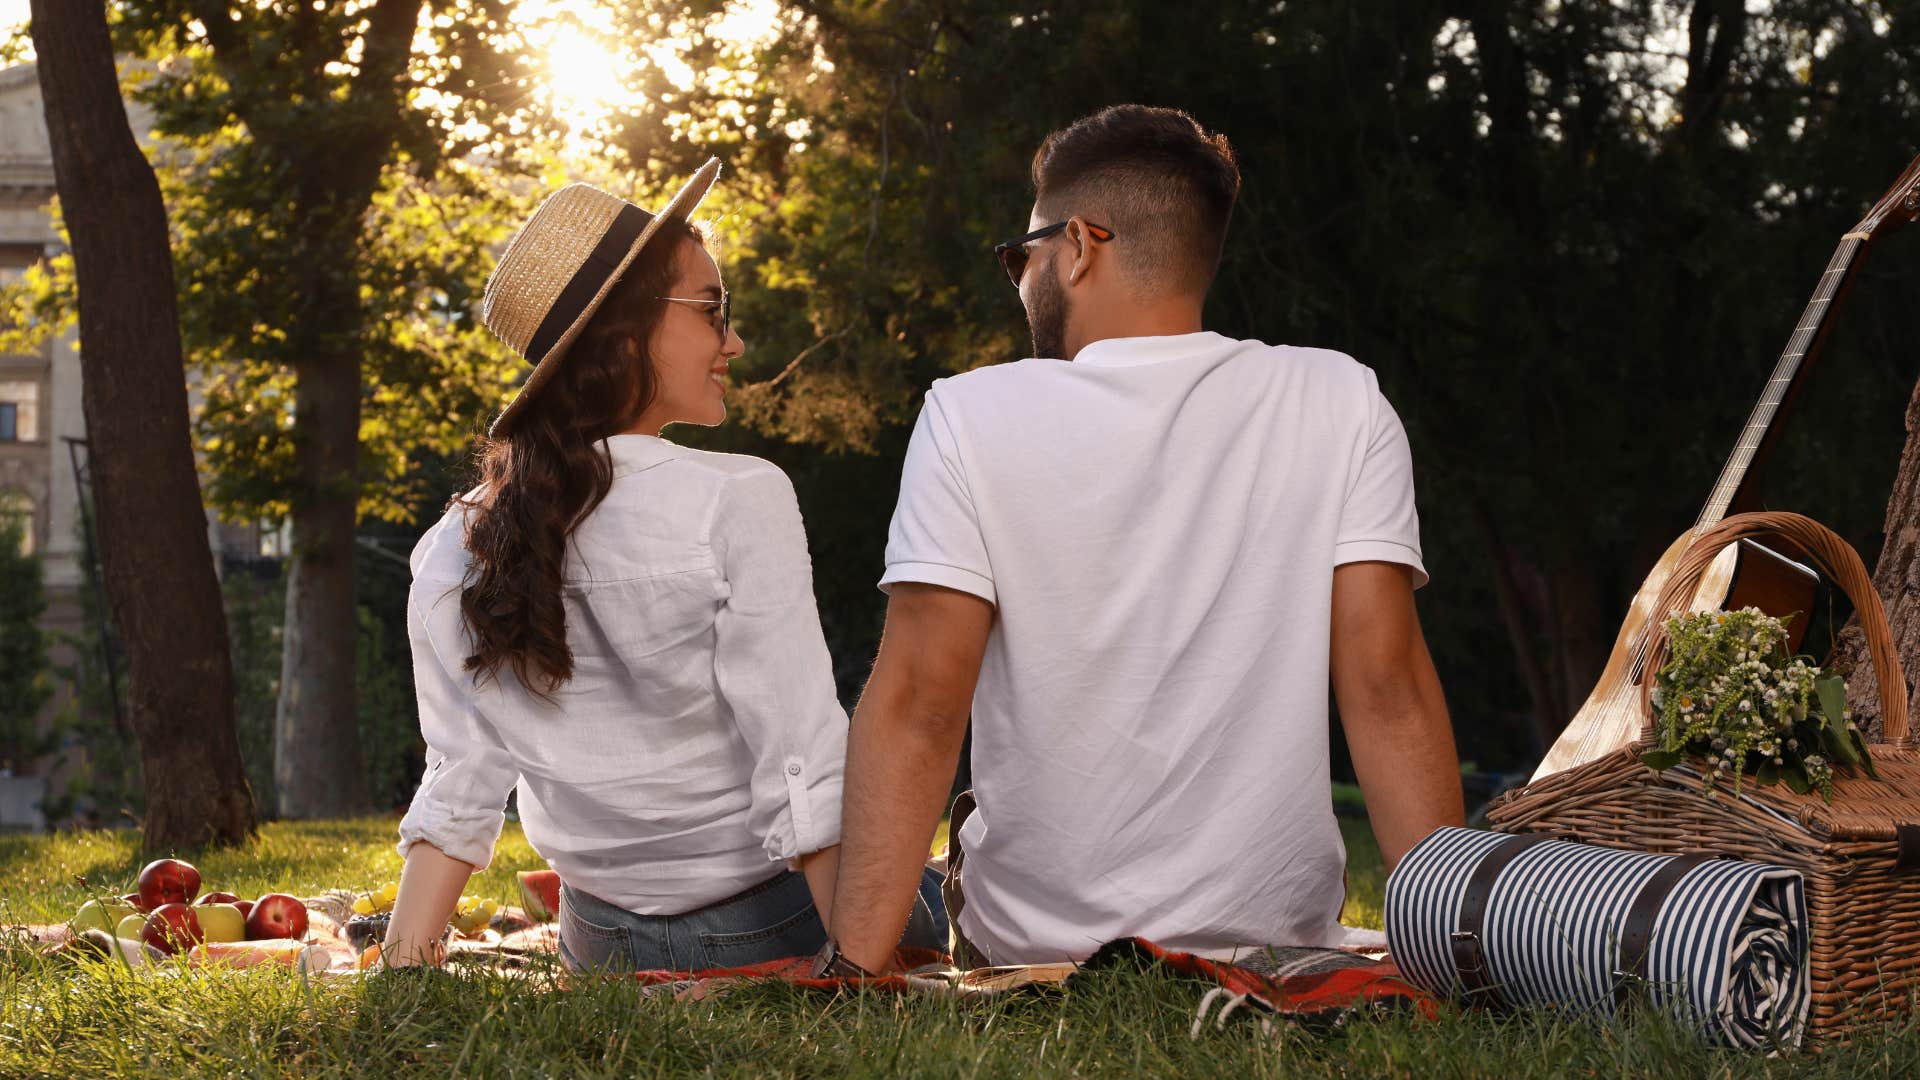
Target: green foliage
{"points": [[1731, 693], [24, 675]]}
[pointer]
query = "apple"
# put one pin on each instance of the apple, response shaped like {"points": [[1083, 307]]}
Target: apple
{"points": [[540, 894], [221, 922], [217, 898], [169, 881], [133, 901], [277, 915], [172, 927], [100, 915], [131, 927], [245, 906]]}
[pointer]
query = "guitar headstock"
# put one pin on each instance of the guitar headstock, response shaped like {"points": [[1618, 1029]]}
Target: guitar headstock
{"points": [[1898, 206]]}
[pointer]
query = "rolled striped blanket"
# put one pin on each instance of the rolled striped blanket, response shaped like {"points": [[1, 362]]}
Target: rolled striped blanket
{"points": [[1530, 920]]}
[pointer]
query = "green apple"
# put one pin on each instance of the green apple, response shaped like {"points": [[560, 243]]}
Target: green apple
{"points": [[100, 915], [131, 927], [221, 922]]}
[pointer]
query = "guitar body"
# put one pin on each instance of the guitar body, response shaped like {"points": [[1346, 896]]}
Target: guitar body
{"points": [[1744, 574]]}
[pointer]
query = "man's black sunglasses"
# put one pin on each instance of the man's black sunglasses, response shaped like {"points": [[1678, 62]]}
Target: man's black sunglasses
{"points": [[1013, 254]]}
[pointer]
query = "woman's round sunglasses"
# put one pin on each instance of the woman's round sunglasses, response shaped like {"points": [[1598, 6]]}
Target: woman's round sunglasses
{"points": [[1014, 254]]}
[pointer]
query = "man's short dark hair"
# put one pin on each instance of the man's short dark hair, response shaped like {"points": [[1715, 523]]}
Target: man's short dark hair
{"points": [[1160, 181]]}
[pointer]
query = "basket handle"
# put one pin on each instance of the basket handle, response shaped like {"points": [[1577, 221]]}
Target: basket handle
{"points": [[1834, 556]]}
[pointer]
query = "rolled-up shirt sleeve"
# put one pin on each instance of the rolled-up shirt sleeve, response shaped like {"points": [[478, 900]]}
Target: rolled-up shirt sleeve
{"points": [[460, 805], [772, 667]]}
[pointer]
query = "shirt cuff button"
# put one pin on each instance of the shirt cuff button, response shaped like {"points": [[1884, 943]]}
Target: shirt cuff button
{"points": [[793, 770]]}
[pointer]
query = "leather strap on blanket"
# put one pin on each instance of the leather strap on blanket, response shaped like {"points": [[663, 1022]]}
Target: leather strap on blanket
{"points": [[1636, 933], [1469, 959]]}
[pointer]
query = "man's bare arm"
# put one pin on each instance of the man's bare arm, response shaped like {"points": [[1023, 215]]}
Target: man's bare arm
{"points": [[1391, 707], [901, 754]]}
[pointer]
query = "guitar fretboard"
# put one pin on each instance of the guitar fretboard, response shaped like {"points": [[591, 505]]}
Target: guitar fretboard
{"points": [[1805, 334]]}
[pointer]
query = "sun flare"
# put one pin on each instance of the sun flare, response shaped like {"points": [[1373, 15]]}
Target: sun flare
{"points": [[583, 75]]}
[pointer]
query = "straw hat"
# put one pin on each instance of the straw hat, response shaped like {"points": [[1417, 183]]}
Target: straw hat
{"points": [[563, 263]]}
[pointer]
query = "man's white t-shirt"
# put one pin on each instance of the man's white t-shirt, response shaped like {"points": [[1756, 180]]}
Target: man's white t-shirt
{"points": [[1157, 523]]}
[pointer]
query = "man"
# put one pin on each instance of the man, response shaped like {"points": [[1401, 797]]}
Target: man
{"points": [[1135, 562]]}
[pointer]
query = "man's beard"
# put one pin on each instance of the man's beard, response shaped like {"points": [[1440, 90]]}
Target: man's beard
{"points": [[1047, 313]]}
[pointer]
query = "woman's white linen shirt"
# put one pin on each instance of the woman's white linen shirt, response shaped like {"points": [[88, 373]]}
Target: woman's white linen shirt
{"points": [[700, 739]]}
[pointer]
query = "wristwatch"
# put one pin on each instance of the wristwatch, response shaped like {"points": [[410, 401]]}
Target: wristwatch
{"points": [[831, 963]]}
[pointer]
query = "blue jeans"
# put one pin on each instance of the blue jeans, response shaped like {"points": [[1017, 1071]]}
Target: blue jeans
{"points": [[770, 921]]}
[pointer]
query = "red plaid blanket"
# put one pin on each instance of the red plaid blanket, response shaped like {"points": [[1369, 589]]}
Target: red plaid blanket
{"points": [[1316, 998]]}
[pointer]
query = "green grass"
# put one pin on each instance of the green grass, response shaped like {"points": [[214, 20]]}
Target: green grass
{"points": [[58, 1021]]}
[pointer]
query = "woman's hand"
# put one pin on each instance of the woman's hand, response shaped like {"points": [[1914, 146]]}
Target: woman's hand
{"points": [[430, 887]]}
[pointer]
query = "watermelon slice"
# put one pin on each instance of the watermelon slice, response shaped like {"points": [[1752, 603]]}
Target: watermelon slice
{"points": [[540, 894]]}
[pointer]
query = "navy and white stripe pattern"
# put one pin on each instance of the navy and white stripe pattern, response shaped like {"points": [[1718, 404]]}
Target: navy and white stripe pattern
{"points": [[1728, 952]]}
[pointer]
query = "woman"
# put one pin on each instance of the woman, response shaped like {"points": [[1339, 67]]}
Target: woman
{"points": [[625, 628]]}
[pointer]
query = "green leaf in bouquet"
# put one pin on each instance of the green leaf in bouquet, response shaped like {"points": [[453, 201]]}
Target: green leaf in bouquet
{"points": [[1843, 744], [1658, 760], [1768, 774], [1794, 775], [1866, 759], [1833, 701]]}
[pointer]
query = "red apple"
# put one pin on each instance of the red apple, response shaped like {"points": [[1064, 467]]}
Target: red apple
{"points": [[171, 928], [245, 906], [139, 905], [276, 915], [169, 881], [217, 898]]}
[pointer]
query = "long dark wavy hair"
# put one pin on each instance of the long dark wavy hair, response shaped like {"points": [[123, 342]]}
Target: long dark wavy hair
{"points": [[539, 480]]}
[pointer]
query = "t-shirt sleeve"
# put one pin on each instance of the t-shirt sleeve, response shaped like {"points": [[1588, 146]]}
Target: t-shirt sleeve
{"points": [[935, 537], [1378, 522]]}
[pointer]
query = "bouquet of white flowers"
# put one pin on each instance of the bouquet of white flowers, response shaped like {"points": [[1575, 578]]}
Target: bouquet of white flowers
{"points": [[1731, 694]]}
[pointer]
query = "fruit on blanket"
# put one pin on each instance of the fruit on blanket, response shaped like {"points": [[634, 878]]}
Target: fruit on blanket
{"points": [[168, 881], [217, 898], [221, 922], [540, 894], [277, 915], [172, 928], [473, 914], [278, 952], [379, 901], [245, 906], [101, 915], [131, 927], [133, 901]]}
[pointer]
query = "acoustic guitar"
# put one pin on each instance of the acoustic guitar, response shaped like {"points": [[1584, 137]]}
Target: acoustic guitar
{"points": [[1749, 573]]}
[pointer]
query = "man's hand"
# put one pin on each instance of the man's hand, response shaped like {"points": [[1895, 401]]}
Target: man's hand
{"points": [[901, 754], [1391, 707]]}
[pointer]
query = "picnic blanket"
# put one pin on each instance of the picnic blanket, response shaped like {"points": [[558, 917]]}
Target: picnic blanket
{"points": [[1309, 986], [1718, 943]]}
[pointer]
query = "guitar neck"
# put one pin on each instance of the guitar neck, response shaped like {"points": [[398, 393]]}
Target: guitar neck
{"points": [[1808, 335]]}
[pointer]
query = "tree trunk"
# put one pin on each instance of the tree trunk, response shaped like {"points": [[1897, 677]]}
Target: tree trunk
{"points": [[317, 762], [1897, 579], [160, 582], [316, 739]]}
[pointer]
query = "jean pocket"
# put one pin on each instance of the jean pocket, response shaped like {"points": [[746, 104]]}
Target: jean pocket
{"points": [[589, 945], [799, 934]]}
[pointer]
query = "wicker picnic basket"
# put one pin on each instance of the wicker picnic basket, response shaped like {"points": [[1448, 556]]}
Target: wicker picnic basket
{"points": [[1860, 855]]}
